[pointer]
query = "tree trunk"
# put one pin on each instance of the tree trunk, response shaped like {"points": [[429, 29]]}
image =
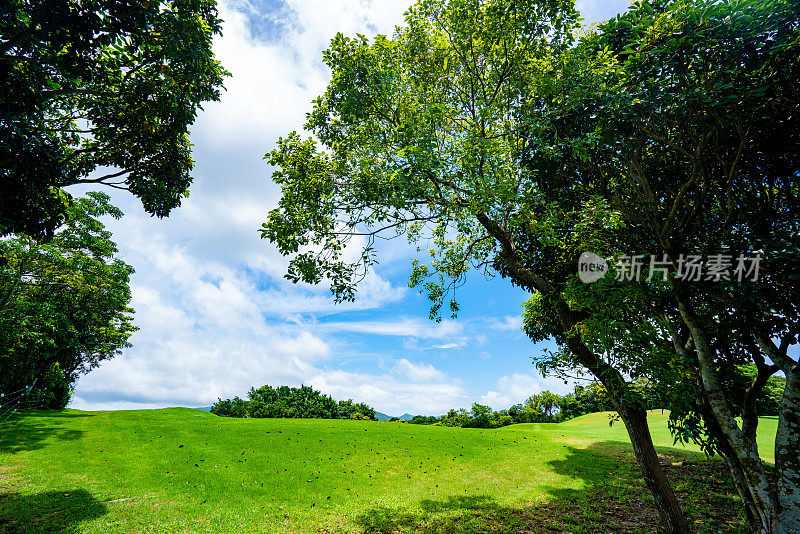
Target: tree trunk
{"points": [[745, 464], [635, 419], [672, 518], [734, 466], [787, 456], [787, 437]]}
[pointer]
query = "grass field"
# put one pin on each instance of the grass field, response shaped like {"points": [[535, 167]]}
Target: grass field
{"points": [[183, 470]]}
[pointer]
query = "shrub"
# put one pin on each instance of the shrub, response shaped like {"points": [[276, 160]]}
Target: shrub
{"points": [[288, 402]]}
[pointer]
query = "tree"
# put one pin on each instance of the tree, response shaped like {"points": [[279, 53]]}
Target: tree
{"points": [[99, 92], [458, 418], [348, 409], [545, 403], [63, 305], [422, 135], [677, 130], [480, 416], [234, 407], [424, 420], [544, 407]]}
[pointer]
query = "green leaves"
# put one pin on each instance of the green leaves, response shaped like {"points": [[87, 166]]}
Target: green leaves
{"points": [[100, 85], [418, 136], [64, 304], [289, 402]]}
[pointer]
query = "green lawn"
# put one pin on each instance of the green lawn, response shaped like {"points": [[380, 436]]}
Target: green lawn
{"points": [[183, 470], [595, 427]]}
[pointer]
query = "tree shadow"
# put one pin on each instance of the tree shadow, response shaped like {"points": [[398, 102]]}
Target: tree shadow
{"points": [[613, 499], [55, 511], [31, 430]]}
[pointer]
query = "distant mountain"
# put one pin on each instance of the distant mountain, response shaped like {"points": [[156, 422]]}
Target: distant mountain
{"points": [[204, 408], [406, 417]]}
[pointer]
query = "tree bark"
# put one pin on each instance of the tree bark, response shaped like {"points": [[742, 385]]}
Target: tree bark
{"points": [[635, 419], [787, 437], [669, 508], [787, 456]]}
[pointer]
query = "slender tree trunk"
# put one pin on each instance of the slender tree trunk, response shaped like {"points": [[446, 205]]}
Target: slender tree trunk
{"points": [[669, 508], [635, 419], [734, 466], [714, 430], [787, 437]]}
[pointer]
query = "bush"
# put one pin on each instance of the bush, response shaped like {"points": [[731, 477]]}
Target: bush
{"points": [[234, 407], [424, 420], [288, 402]]}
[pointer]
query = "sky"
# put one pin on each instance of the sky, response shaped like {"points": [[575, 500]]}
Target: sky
{"points": [[215, 315]]}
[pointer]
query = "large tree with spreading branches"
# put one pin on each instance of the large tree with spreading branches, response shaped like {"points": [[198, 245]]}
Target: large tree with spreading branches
{"points": [[64, 306], [99, 92], [424, 134], [675, 126]]}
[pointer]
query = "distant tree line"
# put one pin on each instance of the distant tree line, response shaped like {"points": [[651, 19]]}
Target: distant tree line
{"points": [[289, 402], [548, 407], [544, 407]]}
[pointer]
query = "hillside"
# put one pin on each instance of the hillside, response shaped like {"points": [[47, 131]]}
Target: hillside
{"points": [[186, 470]]}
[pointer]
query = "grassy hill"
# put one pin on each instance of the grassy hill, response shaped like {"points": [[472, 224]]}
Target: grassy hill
{"points": [[184, 470]]}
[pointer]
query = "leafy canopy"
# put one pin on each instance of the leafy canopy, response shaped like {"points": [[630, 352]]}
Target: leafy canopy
{"points": [[64, 304], [418, 137], [99, 91]]}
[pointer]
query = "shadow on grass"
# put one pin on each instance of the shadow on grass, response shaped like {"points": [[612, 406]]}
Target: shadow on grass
{"points": [[30, 430], [614, 499], [56, 511]]}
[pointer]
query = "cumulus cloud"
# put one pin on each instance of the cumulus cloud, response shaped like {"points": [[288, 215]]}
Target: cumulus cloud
{"points": [[394, 394], [418, 372], [208, 293]]}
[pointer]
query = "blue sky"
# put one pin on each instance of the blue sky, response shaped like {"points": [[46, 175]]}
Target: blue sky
{"points": [[215, 315]]}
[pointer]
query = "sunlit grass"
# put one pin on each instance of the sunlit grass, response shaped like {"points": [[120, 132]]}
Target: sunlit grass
{"points": [[182, 470]]}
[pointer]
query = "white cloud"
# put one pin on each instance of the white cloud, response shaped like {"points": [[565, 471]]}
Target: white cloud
{"points": [[404, 327], [507, 323], [393, 394], [215, 315], [288, 300], [446, 346], [418, 372]]}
